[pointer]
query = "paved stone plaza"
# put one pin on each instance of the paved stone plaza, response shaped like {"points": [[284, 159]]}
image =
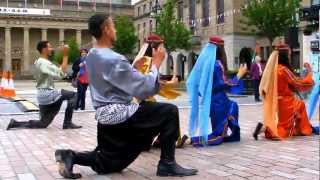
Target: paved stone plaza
{"points": [[29, 154]]}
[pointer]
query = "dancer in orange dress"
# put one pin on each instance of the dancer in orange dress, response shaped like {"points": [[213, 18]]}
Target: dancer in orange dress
{"points": [[285, 115]]}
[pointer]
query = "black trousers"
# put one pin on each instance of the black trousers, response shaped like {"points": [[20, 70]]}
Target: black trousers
{"points": [[256, 84], [81, 95], [119, 145], [48, 112]]}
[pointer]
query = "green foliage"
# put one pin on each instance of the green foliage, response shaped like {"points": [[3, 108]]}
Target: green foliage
{"points": [[126, 38], [271, 18], [57, 57], [174, 32], [183, 36], [74, 52]]}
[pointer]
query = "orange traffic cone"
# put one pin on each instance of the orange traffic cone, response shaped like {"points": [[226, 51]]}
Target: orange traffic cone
{"points": [[4, 82], [7, 85]]}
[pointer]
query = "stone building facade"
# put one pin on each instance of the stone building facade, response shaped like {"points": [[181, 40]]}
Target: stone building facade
{"points": [[223, 18], [143, 21], [198, 16], [19, 34], [212, 17]]}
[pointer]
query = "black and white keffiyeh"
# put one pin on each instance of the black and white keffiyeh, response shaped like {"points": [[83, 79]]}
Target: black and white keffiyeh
{"points": [[112, 114], [48, 96]]}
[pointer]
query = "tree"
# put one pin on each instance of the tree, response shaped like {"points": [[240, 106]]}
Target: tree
{"points": [[126, 38], [73, 55], [174, 32], [271, 18], [183, 36]]}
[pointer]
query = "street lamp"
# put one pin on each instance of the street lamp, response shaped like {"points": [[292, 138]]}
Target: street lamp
{"points": [[156, 9]]}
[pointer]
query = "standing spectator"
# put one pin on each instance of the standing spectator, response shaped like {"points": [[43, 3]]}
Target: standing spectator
{"points": [[76, 67], [303, 74], [82, 84], [256, 74]]}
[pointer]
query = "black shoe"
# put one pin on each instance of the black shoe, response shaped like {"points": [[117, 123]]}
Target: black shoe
{"points": [[71, 126], [65, 160], [182, 141], [234, 137], [11, 124], [173, 169], [257, 131]]}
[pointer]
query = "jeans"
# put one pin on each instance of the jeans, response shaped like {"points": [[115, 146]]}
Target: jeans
{"points": [[81, 95]]}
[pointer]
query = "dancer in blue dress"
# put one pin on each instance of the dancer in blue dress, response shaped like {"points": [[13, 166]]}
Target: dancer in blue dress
{"points": [[212, 112]]}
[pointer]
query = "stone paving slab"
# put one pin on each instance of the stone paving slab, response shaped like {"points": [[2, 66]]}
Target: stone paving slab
{"points": [[29, 154], [7, 106]]}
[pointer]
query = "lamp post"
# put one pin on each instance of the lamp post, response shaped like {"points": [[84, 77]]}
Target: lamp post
{"points": [[156, 9]]}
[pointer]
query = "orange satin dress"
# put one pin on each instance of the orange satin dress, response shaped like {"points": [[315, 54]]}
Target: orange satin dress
{"points": [[293, 119]]}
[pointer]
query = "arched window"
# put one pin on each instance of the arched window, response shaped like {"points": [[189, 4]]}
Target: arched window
{"points": [[220, 11], [205, 12]]}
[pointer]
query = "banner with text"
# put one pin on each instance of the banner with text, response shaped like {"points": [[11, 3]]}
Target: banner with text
{"points": [[24, 11]]}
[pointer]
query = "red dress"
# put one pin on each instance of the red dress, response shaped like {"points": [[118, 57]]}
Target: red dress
{"points": [[293, 119]]}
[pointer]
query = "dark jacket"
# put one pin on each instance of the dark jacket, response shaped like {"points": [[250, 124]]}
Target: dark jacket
{"points": [[76, 68]]}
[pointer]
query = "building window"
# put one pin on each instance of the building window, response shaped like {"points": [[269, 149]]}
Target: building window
{"points": [[192, 15], [150, 25], [315, 2], [150, 6], [144, 8], [180, 10], [138, 34], [205, 12], [138, 11], [220, 11]]}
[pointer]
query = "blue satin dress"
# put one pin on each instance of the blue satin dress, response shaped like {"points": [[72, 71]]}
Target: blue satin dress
{"points": [[223, 111]]}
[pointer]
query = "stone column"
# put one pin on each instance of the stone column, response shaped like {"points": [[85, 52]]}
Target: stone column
{"points": [[93, 41], [265, 52], [44, 35], [8, 61], [61, 35], [78, 37], [26, 42]]}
